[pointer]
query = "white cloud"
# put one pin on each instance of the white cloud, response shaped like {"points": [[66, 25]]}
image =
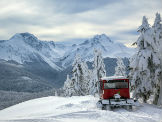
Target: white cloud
{"points": [[62, 20]]}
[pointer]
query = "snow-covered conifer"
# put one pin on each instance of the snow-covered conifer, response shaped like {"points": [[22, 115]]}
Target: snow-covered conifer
{"points": [[145, 64], [69, 87], [157, 27], [86, 76], [145, 26], [56, 94], [157, 23], [120, 69], [77, 75], [97, 73], [80, 76]]}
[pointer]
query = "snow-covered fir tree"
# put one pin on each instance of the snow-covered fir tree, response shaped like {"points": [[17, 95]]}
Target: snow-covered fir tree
{"points": [[86, 76], [120, 69], [157, 28], [56, 94], [97, 72], [68, 87], [78, 84], [145, 65]]}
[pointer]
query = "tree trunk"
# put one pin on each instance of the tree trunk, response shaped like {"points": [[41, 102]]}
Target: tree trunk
{"points": [[159, 102]]}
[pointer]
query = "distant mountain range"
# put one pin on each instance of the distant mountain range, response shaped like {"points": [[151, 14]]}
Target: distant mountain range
{"points": [[25, 47], [32, 65]]}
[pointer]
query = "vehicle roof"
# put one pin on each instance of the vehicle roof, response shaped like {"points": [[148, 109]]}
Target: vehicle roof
{"points": [[114, 77]]}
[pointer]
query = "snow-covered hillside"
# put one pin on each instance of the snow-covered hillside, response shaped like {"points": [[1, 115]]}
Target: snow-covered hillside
{"points": [[75, 109], [25, 47]]}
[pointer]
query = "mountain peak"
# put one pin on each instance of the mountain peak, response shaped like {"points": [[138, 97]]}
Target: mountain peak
{"points": [[28, 38], [97, 39], [25, 36], [101, 37], [28, 35]]}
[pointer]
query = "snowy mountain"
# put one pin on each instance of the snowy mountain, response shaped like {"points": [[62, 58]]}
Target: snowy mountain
{"points": [[75, 109], [51, 61], [25, 47], [108, 48]]}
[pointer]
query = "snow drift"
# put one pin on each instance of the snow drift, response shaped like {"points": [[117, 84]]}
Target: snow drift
{"points": [[72, 109]]}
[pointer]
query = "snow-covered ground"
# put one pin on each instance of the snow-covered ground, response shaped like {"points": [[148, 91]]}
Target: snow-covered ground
{"points": [[76, 109]]}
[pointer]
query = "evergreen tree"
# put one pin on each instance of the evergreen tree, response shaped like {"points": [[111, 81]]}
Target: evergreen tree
{"points": [[97, 73], [120, 69], [157, 23], [69, 87], [86, 77], [157, 27], [77, 75], [145, 64], [56, 94], [78, 84]]}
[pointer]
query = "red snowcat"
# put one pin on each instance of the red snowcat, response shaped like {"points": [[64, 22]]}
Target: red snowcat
{"points": [[114, 92]]}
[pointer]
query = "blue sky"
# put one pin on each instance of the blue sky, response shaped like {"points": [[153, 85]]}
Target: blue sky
{"points": [[64, 20]]}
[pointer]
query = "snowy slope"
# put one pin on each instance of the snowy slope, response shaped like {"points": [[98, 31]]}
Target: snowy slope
{"points": [[75, 109]]}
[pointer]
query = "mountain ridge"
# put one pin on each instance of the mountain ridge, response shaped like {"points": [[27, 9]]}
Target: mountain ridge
{"points": [[50, 61], [25, 47]]}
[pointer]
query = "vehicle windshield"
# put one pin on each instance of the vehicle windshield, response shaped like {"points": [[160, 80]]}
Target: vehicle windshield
{"points": [[117, 84]]}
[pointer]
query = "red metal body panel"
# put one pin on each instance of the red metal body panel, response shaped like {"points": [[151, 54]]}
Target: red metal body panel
{"points": [[109, 93]]}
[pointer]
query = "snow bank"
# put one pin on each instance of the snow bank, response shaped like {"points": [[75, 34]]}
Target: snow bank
{"points": [[72, 109]]}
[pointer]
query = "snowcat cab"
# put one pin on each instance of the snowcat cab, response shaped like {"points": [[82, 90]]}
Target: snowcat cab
{"points": [[114, 92]]}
